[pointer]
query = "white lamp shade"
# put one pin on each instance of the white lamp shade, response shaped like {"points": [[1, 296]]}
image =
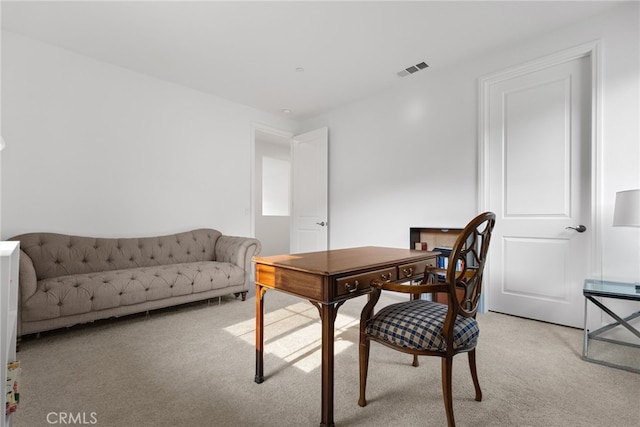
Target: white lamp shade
{"points": [[627, 209]]}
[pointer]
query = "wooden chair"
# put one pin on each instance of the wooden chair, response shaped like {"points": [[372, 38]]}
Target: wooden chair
{"points": [[426, 328]]}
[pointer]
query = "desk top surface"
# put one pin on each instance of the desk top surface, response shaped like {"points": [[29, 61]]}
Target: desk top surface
{"points": [[338, 261], [610, 288]]}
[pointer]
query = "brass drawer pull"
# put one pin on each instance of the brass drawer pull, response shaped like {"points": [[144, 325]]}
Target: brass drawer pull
{"points": [[351, 287], [386, 277], [408, 271]]}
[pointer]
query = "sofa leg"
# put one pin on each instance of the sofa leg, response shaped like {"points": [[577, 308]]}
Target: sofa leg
{"points": [[244, 295]]}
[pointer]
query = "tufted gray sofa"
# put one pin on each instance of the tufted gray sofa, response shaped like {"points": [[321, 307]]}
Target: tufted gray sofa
{"points": [[66, 280]]}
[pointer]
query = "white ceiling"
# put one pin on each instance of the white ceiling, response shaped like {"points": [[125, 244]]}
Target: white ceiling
{"points": [[248, 52]]}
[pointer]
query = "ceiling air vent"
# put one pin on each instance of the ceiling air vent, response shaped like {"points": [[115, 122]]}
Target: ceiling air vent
{"points": [[413, 69]]}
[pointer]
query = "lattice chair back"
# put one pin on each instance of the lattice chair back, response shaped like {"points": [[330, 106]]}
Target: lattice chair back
{"points": [[466, 265]]}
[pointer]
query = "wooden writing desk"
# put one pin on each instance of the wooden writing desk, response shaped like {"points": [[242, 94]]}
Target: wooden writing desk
{"points": [[327, 279]]}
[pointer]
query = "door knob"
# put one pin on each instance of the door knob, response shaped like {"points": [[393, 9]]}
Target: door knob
{"points": [[580, 229], [322, 223]]}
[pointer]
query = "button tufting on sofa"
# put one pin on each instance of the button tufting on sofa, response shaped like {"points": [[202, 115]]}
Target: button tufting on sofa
{"points": [[97, 281]]}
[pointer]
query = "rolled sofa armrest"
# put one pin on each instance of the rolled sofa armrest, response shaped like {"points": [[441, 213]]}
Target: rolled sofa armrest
{"points": [[239, 251], [27, 284], [28, 281]]}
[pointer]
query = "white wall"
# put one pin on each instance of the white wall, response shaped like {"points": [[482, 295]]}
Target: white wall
{"points": [[1, 133], [94, 149], [620, 139], [99, 150], [401, 159], [408, 156]]}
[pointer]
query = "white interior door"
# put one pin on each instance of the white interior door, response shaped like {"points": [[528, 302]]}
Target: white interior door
{"points": [[310, 182], [538, 128]]}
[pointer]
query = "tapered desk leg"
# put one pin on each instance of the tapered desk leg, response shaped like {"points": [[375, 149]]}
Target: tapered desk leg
{"points": [[259, 334], [328, 316]]}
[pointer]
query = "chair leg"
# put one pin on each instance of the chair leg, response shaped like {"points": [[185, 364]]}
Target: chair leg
{"points": [[415, 361], [447, 364], [364, 368], [474, 374]]}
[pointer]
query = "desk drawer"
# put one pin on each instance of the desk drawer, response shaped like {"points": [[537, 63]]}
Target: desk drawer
{"points": [[413, 270], [359, 282]]}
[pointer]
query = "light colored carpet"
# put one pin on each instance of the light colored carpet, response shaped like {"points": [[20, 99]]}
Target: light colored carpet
{"points": [[195, 366]]}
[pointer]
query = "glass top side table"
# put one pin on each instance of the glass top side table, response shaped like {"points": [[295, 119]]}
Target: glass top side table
{"points": [[609, 289]]}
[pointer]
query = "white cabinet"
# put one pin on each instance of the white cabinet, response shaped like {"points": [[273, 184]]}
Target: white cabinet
{"points": [[9, 259]]}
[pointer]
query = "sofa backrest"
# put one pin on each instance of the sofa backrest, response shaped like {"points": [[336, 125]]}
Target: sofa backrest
{"points": [[56, 255]]}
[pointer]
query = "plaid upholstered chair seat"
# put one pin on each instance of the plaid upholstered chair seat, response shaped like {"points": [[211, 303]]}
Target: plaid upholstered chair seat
{"points": [[418, 325]]}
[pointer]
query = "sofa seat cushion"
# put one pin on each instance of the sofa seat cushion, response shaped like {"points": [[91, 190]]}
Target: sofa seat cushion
{"points": [[83, 293]]}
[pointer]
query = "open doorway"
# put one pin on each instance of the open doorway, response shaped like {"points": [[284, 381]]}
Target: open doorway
{"points": [[272, 190]]}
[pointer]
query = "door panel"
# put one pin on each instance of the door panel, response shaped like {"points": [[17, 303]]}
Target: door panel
{"points": [[539, 131], [522, 278], [310, 183], [537, 147]]}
